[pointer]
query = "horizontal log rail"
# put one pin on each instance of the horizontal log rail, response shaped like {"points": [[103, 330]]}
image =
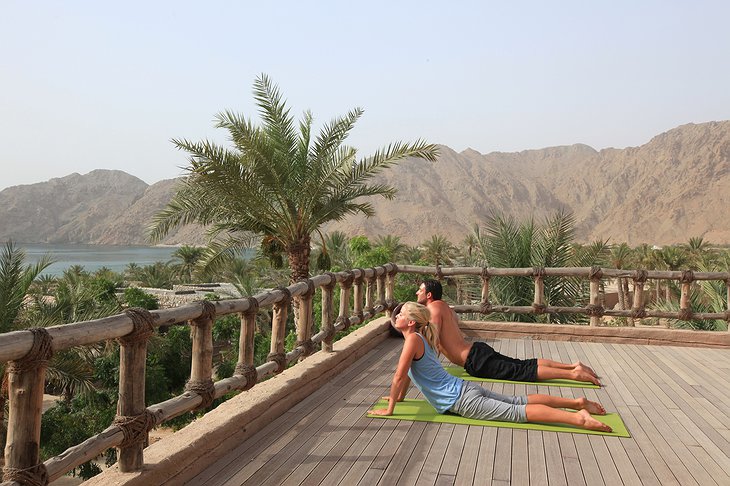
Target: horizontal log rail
{"points": [[27, 353], [364, 293], [594, 275]]}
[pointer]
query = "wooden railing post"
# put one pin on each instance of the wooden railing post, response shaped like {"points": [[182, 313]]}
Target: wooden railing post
{"points": [[26, 379], [328, 324], [278, 330], [595, 287], [685, 304], [370, 294], [727, 313], [390, 291], [201, 369], [538, 302], [131, 408], [345, 292], [245, 365], [486, 306], [357, 295], [304, 331], [381, 290], [638, 310]]}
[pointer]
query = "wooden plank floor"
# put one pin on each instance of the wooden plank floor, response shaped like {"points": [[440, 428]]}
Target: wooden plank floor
{"points": [[675, 402]]}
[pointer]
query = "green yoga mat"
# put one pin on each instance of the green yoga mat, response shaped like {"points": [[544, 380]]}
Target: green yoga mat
{"points": [[461, 373], [422, 411]]}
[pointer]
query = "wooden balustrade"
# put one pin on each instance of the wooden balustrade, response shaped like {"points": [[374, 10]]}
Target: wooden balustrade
{"points": [[594, 274], [28, 351]]}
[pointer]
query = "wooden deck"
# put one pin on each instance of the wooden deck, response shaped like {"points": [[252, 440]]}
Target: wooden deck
{"points": [[675, 402]]}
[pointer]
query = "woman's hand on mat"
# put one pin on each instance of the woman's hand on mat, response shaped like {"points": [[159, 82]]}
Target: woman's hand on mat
{"points": [[380, 411], [388, 399]]}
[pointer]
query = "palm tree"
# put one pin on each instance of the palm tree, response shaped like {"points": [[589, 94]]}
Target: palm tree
{"points": [[276, 182], [620, 258], [185, 259], [673, 258], [509, 244], [16, 279], [392, 245], [438, 250]]}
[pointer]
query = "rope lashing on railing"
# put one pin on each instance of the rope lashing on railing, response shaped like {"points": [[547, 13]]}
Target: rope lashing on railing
{"points": [[307, 346], [333, 281], [253, 306], [287, 296], [594, 310], [310, 288], [279, 359], [595, 273], [638, 313], [36, 475], [640, 276], [485, 273], [142, 320], [439, 274], [347, 283], [38, 356], [538, 272], [539, 308], [135, 427], [204, 388], [207, 313], [249, 372], [688, 276], [685, 314]]}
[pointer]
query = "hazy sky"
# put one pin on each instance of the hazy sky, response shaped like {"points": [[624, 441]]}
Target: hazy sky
{"points": [[87, 85]]}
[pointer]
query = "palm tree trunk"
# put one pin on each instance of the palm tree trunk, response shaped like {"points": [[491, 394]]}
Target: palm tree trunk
{"points": [[625, 290], [298, 255]]}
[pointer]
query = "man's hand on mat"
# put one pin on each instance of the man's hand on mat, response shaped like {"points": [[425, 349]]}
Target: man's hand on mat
{"points": [[380, 411], [592, 407]]}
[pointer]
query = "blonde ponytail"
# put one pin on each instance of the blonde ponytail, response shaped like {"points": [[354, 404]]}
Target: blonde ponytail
{"points": [[421, 315]]}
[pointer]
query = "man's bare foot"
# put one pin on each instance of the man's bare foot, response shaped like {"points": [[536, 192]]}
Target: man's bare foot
{"points": [[594, 408], [580, 375], [592, 424], [584, 367]]}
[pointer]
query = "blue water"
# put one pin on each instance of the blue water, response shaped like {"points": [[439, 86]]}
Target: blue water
{"points": [[94, 257]]}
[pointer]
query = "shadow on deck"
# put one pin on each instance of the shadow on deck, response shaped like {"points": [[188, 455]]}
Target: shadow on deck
{"points": [[674, 400]]}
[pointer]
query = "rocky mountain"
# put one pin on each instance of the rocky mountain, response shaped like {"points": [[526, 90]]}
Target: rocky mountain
{"points": [[673, 187]]}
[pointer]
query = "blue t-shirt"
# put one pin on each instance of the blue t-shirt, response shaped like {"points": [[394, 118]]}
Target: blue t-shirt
{"points": [[439, 387]]}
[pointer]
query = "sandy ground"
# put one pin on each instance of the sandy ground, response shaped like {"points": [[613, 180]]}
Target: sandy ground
{"points": [[155, 435]]}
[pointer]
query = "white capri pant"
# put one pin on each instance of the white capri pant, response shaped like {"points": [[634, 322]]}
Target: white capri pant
{"points": [[479, 403]]}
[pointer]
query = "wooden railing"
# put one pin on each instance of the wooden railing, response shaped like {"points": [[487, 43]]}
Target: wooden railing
{"points": [[594, 275], [363, 294]]}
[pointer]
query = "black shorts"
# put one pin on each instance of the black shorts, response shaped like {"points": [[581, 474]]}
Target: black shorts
{"points": [[484, 362]]}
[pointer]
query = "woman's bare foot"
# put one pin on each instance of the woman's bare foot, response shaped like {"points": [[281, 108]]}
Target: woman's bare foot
{"points": [[592, 424], [594, 408]]}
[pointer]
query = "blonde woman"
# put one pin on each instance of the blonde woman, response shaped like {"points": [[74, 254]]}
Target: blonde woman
{"points": [[446, 393]]}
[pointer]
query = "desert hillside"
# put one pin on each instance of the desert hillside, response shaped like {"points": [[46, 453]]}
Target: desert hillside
{"points": [[675, 186]]}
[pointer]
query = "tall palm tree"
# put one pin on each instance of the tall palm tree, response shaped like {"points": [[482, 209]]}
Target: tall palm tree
{"points": [[276, 181], [673, 258]]}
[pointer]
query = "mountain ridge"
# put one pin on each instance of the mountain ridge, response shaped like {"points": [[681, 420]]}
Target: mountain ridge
{"points": [[664, 191]]}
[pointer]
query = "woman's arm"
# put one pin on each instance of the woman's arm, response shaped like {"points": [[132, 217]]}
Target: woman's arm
{"points": [[400, 383]]}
